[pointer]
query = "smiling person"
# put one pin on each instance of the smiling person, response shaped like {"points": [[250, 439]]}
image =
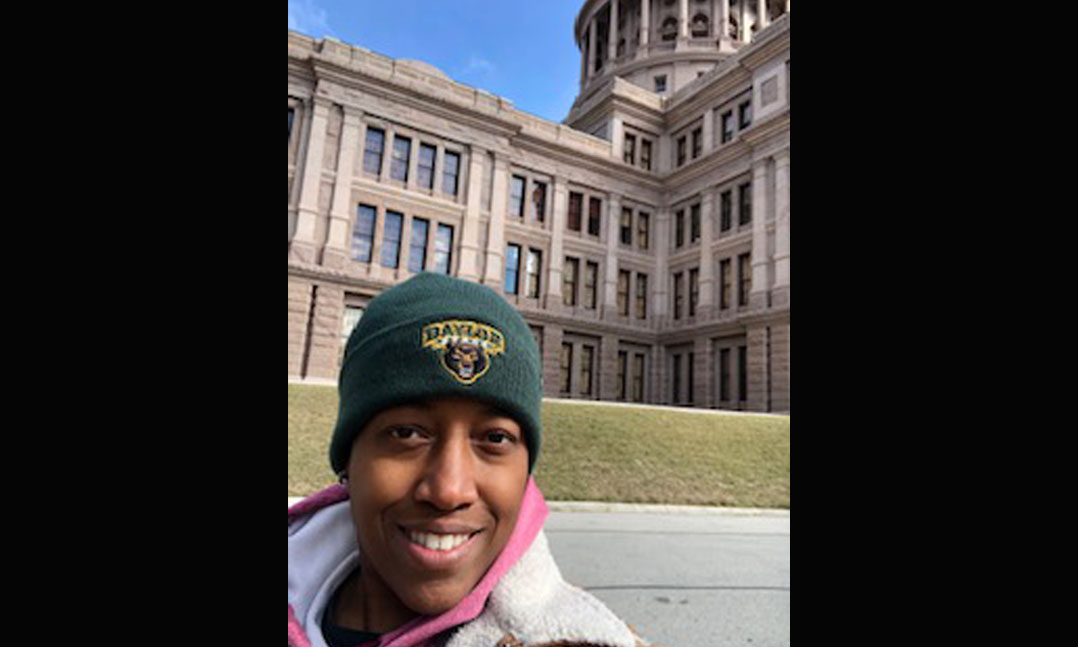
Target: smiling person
{"points": [[434, 536]]}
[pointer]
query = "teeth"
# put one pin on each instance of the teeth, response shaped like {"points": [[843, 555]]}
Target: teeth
{"points": [[432, 541]]}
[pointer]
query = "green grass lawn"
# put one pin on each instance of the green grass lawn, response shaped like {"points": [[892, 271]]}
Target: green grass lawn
{"points": [[604, 453]]}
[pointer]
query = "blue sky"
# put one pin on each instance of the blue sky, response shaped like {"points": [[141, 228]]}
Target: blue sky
{"points": [[523, 51]]}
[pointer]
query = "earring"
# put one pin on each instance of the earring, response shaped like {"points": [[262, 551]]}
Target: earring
{"points": [[342, 478]]}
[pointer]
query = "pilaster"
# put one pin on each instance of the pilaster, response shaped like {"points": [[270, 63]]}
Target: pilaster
{"points": [[469, 235], [302, 246], [325, 342], [705, 306], [493, 272], [758, 291], [613, 221], [756, 364], [645, 28], [336, 253], [612, 45], [557, 237], [782, 228]]}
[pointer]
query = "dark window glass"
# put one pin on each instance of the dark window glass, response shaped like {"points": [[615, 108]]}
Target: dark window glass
{"points": [[627, 226], [372, 151], [727, 210], [363, 234], [726, 283], [568, 281], [678, 295], [450, 172], [745, 194], [538, 202], [291, 116], [425, 169], [745, 284], [591, 279], [512, 268], [694, 290], [586, 355], [417, 249], [689, 381], [629, 154], [642, 230], [680, 150], [576, 208], [727, 126], [724, 374], [516, 196], [443, 249], [595, 207], [566, 368], [679, 229], [744, 115], [402, 151], [391, 239], [623, 361], [623, 292], [697, 142], [660, 81], [641, 296], [645, 154], [694, 223], [638, 378], [677, 379], [742, 373]]}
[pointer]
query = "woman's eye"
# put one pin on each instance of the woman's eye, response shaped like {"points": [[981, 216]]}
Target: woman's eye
{"points": [[403, 433], [499, 437]]}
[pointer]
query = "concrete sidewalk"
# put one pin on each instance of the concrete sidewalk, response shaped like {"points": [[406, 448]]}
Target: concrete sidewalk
{"points": [[603, 506]]}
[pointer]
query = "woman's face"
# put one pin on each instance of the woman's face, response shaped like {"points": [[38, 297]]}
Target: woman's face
{"points": [[435, 491]]}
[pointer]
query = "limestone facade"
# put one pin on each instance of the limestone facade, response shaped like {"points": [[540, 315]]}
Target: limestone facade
{"points": [[646, 239]]}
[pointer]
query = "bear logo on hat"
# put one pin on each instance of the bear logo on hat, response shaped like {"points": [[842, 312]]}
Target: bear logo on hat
{"points": [[465, 346]]}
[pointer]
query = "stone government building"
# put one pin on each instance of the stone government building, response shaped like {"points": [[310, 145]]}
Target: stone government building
{"points": [[646, 239]]}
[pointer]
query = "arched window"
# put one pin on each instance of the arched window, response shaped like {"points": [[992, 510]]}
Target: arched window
{"points": [[669, 28], [700, 26]]}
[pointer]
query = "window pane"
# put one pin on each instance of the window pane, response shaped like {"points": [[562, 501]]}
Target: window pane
{"points": [[745, 194], [372, 151], [642, 230], [363, 234], [591, 275], [402, 150], [534, 265], [516, 197], [576, 207], [391, 239], [449, 173], [426, 166], [595, 207], [417, 253], [645, 154], [695, 225], [512, 268], [538, 201], [568, 281], [566, 367], [443, 246]]}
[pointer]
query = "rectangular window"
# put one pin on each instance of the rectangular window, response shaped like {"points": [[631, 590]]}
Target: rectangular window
{"points": [[402, 152], [291, 116], [660, 83], [641, 296], [450, 173], [645, 154], [638, 378], [425, 170], [642, 230], [591, 278], [628, 154], [568, 281], [697, 142], [679, 228], [694, 290], [724, 374], [417, 249], [443, 249], [363, 234], [595, 207], [677, 379], [352, 315], [576, 209], [745, 274], [532, 269], [512, 268], [627, 226], [727, 210], [689, 381], [742, 373], [744, 115], [623, 361], [623, 292], [372, 151], [391, 239], [727, 126], [745, 194], [678, 294], [586, 355], [566, 368], [694, 223], [726, 281], [681, 150], [538, 202], [516, 197]]}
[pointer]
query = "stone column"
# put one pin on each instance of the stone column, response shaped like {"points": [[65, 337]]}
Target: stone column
{"points": [[742, 28], [439, 167], [758, 293], [591, 47], [325, 341], [469, 235], [302, 246], [617, 137], [299, 315], [610, 300], [723, 20], [645, 28], [660, 272], [709, 131], [612, 46], [413, 163], [336, 252], [761, 15], [404, 256], [560, 196], [683, 20], [379, 236], [705, 306], [781, 296], [493, 272], [387, 153], [756, 364]]}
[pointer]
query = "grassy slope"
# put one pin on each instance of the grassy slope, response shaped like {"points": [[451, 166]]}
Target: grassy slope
{"points": [[604, 453]]}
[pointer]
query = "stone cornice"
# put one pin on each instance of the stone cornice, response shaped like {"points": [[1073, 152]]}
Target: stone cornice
{"points": [[762, 131]]}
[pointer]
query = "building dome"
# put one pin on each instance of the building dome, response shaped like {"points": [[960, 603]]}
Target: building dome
{"points": [[663, 45]]}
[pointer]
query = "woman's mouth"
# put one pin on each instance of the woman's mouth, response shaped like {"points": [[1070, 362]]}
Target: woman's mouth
{"points": [[432, 541]]}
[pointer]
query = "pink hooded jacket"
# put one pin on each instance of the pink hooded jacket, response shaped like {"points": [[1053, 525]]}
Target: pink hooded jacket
{"points": [[521, 600]]}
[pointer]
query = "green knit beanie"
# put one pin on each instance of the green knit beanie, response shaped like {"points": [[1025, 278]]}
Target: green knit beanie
{"points": [[437, 336]]}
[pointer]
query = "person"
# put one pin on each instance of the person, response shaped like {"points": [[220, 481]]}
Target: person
{"points": [[434, 535]]}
